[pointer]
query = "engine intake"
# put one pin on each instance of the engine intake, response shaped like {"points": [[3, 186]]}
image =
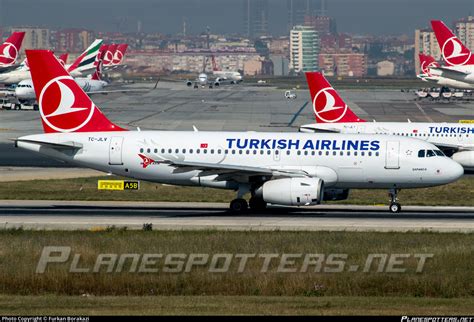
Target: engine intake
{"points": [[292, 191]]}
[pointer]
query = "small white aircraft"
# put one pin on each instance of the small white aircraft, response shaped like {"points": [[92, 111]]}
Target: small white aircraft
{"points": [[292, 169]]}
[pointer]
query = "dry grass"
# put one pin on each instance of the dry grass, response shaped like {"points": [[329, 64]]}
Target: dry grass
{"points": [[455, 194], [447, 275]]}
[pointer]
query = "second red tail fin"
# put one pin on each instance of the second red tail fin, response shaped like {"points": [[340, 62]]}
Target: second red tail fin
{"points": [[328, 106], [64, 106], [452, 49], [426, 62], [10, 48]]}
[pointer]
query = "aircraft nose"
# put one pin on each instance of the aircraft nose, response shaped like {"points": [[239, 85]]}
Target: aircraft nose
{"points": [[453, 170]]}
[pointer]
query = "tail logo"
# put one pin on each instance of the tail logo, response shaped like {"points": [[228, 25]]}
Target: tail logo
{"points": [[146, 161], [118, 56], [426, 68], [61, 109], [108, 58], [454, 53], [325, 108], [9, 54]]}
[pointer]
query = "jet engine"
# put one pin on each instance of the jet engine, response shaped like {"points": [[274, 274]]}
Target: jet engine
{"points": [[292, 191], [189, 83], [216, 83], [335, 194], [464, 158]]}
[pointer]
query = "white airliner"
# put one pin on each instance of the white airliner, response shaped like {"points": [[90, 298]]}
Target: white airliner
{"points": [[334, 115], [87, 61], [224, 76], [426, 63], [457, 57], [293, 169]]}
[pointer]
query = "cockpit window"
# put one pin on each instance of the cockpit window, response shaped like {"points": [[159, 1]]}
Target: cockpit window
{"points": [[421, 153], [430, 153], [439, 152]]}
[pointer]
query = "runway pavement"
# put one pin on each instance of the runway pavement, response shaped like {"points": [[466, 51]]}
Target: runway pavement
{"points": [[72, 215]]}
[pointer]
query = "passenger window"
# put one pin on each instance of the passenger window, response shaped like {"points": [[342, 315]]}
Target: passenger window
{"points": [[299, 152], [198, 151], [269, 152], [176, 151], [141, 150], [287, 152], [148, 150], [170, 151], [184, 151], [212, 151], [247, 152], [156, 151], [305, 152], [191, 151], [277, 152], [162, 150], [254, 152]]}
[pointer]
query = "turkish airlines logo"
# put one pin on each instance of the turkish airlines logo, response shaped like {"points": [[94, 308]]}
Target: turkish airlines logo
{"points": [[325, 106], [454, 53], [8, 54], [146, 161], [108, 58], [426, 68], [118, 56], [62, 109]]}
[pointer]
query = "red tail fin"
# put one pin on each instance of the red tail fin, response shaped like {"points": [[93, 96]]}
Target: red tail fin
{"points": [[426, 62], [63, 59], [328, 106], [64, 107], [452, 49], [119, 54], [10, 48], [109, 55]]}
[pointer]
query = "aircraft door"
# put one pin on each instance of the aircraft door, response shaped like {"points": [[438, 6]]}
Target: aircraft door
{"points": [[115, 150], [392, 160]]}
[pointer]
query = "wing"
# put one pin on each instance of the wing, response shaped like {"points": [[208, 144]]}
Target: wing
{"points": [[232, 171], [449, 71]]}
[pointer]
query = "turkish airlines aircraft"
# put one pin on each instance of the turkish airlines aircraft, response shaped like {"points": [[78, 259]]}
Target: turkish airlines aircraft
{"points": [[458, 58], [86, 62], [426, 63], [293, 169], [119, 54], [233, 77], [9, 51], [334, 115]]}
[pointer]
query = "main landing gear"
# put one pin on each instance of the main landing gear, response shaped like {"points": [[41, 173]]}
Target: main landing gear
{"points": [[394, 204], [240, 205]]}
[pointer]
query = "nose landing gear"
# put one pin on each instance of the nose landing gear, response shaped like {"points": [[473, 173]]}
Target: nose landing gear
{"points": [[395, 206]]}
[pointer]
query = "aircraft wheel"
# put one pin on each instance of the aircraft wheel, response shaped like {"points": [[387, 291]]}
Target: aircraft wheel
{"points": [[257, 204], [395, 207], [238, 205]]}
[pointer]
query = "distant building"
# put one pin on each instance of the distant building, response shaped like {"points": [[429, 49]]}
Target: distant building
{"points": [[385, 68], [35, 38], [465, 31], [280, 65], [72, 40], [322, 24], [298, 9], [425, 42], [343, 64], [255, 14], [304, 49]]}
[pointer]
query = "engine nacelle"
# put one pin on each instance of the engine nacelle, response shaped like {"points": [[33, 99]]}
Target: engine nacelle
{"points": [[189, 83], [216, 84], [292, 191], [335, 194], [464, 158]]}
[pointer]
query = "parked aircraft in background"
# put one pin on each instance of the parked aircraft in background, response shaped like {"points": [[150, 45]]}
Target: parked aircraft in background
{"points": [[334, 115], [9, 51]]}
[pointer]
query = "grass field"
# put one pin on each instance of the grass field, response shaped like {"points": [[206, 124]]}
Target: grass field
{"points": [[455, 194], [227, 305], [448, 274]]}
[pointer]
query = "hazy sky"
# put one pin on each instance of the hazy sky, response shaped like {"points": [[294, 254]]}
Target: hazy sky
{"points": [[224, 16]]}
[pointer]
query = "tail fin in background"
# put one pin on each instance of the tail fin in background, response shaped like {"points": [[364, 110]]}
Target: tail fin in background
{"points": [[328, 106], [87, 59], [426, 62], [64, 106], [10, 49], [109, 55], [119, 54], [63, 59], [452, 49], [97, 75]]}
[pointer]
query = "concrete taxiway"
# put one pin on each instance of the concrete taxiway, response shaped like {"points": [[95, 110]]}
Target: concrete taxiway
{"points": [[73, 215]]}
